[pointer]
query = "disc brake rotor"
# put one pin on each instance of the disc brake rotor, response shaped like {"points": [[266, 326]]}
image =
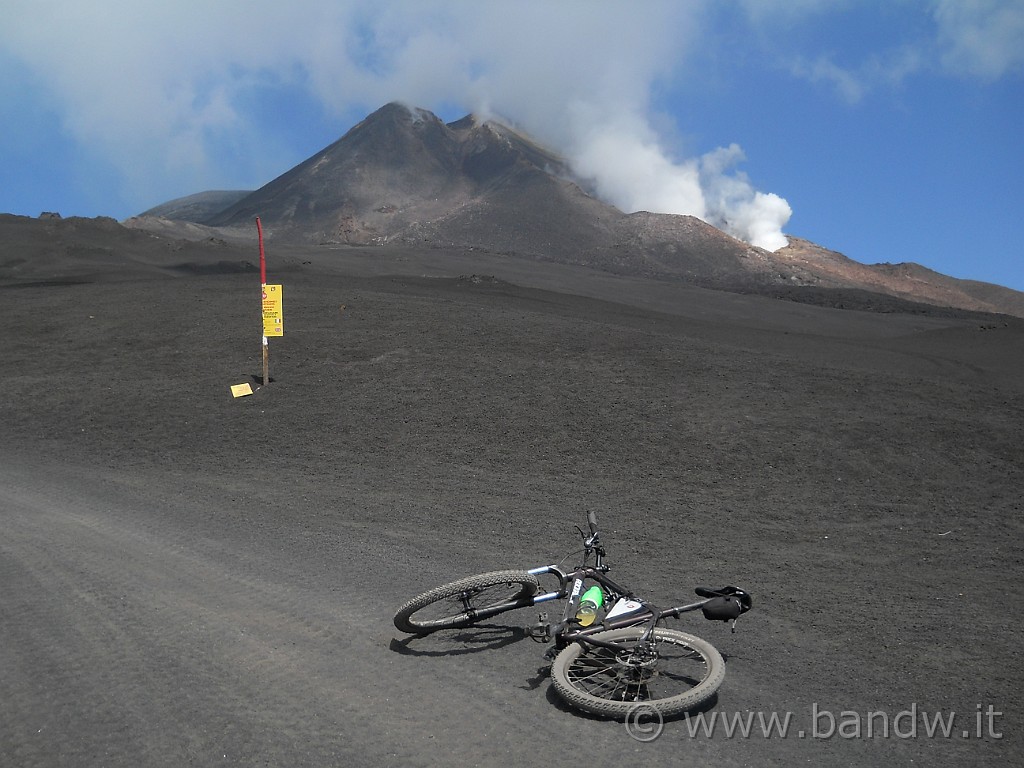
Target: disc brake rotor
{"points": [[636, 665]]}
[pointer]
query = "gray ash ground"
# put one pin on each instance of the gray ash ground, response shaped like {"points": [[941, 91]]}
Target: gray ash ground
{"points": [[195, 579]]}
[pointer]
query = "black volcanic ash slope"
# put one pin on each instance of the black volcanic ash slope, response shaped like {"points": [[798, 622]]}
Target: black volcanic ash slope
{"points": [[197, 207]]}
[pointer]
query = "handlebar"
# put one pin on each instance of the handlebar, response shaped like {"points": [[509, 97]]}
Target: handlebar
{"points": [[592, 521]]}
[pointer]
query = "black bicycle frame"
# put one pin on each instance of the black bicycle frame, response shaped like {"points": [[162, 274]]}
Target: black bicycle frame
{"points": [[651, 616], [571, 586]]}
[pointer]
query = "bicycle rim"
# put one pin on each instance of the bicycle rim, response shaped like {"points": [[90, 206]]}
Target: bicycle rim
{"points": [[672, 673], [453, 605]]}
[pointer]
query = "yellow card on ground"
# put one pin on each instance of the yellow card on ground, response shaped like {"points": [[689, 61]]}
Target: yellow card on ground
{"points": [[240, 390]]}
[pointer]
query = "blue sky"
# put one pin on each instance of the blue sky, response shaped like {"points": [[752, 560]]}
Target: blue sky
{"points": [[890, 130]]}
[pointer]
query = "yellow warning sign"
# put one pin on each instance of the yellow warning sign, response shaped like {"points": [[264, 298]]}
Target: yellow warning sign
{"points": [[240, 390], [273, 310]]}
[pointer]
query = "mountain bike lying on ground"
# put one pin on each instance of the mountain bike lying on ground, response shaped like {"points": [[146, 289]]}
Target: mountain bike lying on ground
{"points": [[609, 651]]}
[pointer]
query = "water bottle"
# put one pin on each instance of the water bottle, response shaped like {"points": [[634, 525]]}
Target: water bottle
{"points": [[590, 603]]}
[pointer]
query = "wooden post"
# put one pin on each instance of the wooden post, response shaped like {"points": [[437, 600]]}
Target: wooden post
{"points": [[266, 361], [263, 295]]}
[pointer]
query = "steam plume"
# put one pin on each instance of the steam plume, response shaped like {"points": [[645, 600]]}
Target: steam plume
{"points": [[629, 169]]}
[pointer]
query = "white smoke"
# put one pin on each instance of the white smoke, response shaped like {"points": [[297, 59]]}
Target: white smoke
{"points": [[736, 207], [628, 168]]}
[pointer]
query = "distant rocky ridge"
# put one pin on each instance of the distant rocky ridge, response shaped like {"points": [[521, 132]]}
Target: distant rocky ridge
{"points": [[402, 177], [198, 207]]}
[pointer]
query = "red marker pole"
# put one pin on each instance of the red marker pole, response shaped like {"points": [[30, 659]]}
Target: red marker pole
{"points": [[263, 296]]}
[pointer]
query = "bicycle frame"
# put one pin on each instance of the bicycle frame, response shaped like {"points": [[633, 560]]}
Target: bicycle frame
{"points": [[571, 587]]}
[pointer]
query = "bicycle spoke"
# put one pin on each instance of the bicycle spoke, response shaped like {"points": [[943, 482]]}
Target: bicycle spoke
{"points": [[605, 688], [596, 677], [641, 673], [460, 606]]}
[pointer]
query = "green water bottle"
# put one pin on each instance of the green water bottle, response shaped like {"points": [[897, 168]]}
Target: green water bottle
{"points": [[590, 603]]}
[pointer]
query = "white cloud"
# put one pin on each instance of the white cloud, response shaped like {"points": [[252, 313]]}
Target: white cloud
{"points": [[883, 69], [970, 38], [981, 38], [785, 11], [849, 85]]}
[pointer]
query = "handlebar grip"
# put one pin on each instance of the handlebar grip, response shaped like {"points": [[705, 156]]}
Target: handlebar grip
{"points": [[592, 520]]}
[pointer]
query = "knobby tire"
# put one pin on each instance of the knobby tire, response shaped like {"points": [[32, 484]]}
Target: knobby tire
{"points": [[445, 607], [685, 673]]}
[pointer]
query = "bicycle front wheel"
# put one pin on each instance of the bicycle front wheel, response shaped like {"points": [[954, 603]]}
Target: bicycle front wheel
{"points": [[456, 605], [670, 673]]}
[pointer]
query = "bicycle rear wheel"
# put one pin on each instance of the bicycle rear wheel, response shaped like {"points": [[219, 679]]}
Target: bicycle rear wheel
{"points": [[671, 673], [455, 605]]}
